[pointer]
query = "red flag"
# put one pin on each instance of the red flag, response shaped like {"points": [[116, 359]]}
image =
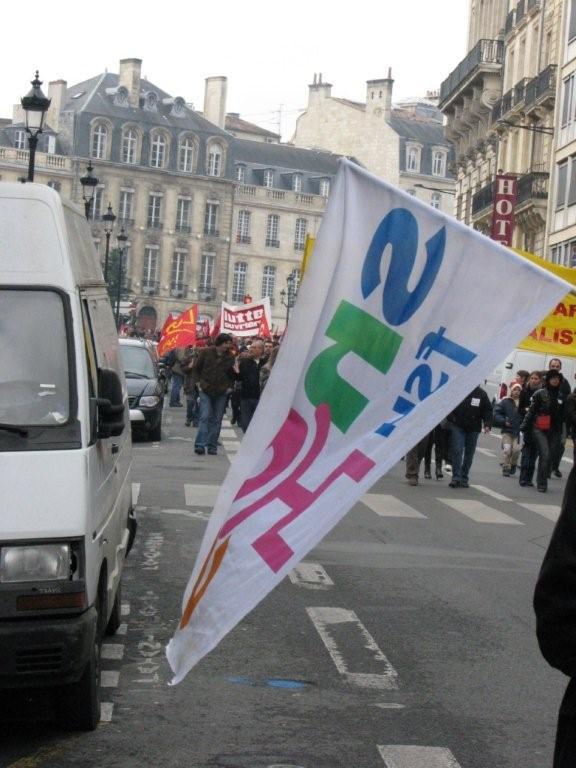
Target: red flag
{"points": [[206, 327], [264, 330], [180, 332], [216, 326]]}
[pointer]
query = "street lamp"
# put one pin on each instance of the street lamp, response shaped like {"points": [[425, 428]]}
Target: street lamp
{"points": [[89, 183], [288, 298], [35, 106], [122, 238], [108, 220]]}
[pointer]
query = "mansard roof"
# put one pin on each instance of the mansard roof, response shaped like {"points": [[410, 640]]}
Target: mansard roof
{"points": [[422, 131], [284, 156]]}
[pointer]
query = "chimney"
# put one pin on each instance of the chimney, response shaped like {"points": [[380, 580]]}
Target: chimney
{"points": [[57, 94], [129, 77], [379, 95], [318, 90], [215, 100]]}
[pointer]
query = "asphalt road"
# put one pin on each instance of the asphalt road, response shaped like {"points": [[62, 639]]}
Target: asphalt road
{"points": [[405, 640]]}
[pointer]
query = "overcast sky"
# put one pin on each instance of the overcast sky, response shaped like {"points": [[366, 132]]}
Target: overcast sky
{"points": [[268, 51]]}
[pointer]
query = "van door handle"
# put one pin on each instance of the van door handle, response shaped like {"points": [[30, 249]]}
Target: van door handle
{"points": [[115, 448]]}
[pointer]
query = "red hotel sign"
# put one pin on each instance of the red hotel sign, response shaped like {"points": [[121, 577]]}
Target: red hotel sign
{"points": [[503, 213]]}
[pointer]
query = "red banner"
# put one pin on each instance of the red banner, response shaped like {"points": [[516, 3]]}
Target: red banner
{"points": [[180, 332], [247, 319], [505, 193]]}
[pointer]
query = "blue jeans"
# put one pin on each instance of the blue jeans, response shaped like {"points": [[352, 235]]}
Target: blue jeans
{"points": [[212, 409], [177, 381], [192, 406], [463, 447]]}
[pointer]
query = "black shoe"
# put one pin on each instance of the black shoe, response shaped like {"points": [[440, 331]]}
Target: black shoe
{"points": [[505, 473], [194, 423], [523, 483], [232, 421], [187, 423], [512, 470], [199, 450], [464, 484], [557, 473], [542, 488], [529, 483], [212, 452], [439, 475], [454, 484], [428, 475]]}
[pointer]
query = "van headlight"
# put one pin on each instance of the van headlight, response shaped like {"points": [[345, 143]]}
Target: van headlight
{"points": [[149, 401], [38, 562]]}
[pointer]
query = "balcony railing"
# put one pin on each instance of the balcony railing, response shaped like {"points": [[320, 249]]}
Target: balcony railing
{"points": [[150, 287], [185, 228], [298, 246], [533, 186], [496, 111], [484, 52], [507, 101], [42, 159], [211, 232], [178, 290], [206, 292], [126, 223], [270, 243], [243, 239], [484, 198], [154, 224], [509, 25], [519, 11], [541, 87]]}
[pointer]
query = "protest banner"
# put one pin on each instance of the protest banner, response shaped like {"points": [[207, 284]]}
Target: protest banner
{"points": [[245, 319], [402, 312]]}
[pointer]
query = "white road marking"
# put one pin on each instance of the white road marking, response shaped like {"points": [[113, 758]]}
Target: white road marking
{"points": [[398, 756], [106, 709], [200, 495], [125, 609], [486, 451], [480, 512], [490, 492], [310, 576], [389, 506], [109, 679], [113, 651], [232, 446], [182, 439], [228, 432], [122, 629], [549, 511], [390, 705], [198, 514], [322, 618], [135, 493]]}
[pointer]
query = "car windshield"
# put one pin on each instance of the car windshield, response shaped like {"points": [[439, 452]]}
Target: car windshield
{"points": [[34, 384], [137, 362]]}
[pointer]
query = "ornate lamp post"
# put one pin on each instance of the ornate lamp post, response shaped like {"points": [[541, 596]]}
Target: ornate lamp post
{"points": [[122, 238], [89, 183], [35, 106], [288, 298], [108, 220]]}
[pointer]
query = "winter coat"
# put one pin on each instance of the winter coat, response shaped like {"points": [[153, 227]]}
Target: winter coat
{"points": [[249, 377], [507, 416], [570, 415], [214, 371], [555, 607], [545, 401], [473, 412]]}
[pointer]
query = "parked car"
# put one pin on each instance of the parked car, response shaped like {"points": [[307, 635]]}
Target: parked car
{"points": [[145, 387]]}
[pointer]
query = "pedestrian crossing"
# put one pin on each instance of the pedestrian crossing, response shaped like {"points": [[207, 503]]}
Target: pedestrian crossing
{"points": [[410, 756]]}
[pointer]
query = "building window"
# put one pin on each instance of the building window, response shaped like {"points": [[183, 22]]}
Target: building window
{"points": [[211, 219], [129, 145], [95, 208], [572, 24], [268, 178], [183, 215], [435, 200], [243, 229], [154, 211], [324, 187], [438, 163], [186, 156], [207, 272], [300, 234], [149, 284], [20, 139], [214, 160], [126, 205], [564, 254], [239, 281], [272, 228], [562, 177], [177, 272], [99, 140], [241, 173], [51, 144], [413, 158], [269, 283], [297, 182], [158, 151]]}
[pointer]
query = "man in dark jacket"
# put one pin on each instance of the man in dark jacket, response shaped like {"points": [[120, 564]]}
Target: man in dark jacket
{"points": [[466, 422], [543, 423], [555, 606], [555, 364], [249, 376], [213, 372]]}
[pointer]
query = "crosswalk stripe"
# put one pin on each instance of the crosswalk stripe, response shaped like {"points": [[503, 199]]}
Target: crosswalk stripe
{"points": [[228, 432], [113, 651], [389, 506], [479, 512], [109, 678], [200, 495], [135, 493], [399, 756], [310, 576], [232, 446], [490, 492], [549, 511], [106, 710]]}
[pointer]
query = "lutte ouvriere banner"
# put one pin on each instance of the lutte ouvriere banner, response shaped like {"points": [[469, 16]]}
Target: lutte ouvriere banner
{"points": [[401, 313]]}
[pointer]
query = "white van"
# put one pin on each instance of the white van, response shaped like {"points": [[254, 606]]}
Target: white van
{"points": [[66, 520], [498, 382]]}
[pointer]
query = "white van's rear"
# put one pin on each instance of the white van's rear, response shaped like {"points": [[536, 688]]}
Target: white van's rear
{"points": [[65, 453], [498, 383]]}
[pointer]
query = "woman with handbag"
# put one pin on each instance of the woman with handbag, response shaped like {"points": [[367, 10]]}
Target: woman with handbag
{"points": [[543, 425]]}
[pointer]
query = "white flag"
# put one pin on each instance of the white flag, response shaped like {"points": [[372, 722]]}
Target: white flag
{"points": [[402, 312]]}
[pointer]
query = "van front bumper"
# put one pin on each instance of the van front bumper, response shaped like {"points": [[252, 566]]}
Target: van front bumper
{"points": [[45, 652]]}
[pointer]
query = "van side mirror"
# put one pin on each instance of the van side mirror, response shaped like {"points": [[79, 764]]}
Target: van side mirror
{"points": [[110, 404]]}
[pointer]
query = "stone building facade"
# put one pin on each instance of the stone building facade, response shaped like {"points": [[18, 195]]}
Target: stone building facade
{"points": [[403, 144]]}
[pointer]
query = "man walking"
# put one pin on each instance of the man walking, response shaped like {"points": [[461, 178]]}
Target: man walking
{"points": [[214, 374], [466, 422], [249, 376], [555, 364]]}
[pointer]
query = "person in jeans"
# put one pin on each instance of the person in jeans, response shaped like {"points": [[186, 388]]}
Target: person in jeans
{"points": [[506, 416], [529, 454], [213, 371], [543, 425], [466, 422], [555, 364]]}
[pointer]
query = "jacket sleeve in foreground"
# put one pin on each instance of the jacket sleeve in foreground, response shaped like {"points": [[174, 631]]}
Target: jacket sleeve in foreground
{"points": [[555, 594]]}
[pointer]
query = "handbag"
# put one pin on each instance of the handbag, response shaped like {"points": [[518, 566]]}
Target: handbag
{"points": [[542, 422]]}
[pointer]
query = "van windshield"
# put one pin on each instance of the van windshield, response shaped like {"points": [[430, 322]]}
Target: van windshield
{"points": [[34, 376]]}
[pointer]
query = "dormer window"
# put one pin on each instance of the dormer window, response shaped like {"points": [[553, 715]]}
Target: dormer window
{"points": [[99, 141], [214, 164], [178, 108], [20, 139], [297, 182], [158, 151], [121, 97], [151, 101], [413, 152], [439, 162], [186, 155], [268, 178]]}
